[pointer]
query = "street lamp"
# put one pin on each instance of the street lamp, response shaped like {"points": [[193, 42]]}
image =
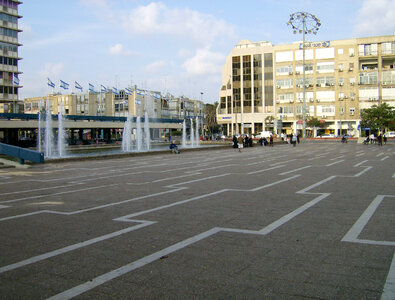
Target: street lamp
{"points": [[305, 23]]}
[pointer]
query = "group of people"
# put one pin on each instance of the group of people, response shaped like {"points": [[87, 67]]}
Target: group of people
{"points": [[242, 142], [372, 139]]}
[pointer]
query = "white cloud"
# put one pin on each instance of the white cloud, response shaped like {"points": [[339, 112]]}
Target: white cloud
{"points": [[51, 70], [156, 66], [118, 49], [375, 18], [157, 19], [205, 62]]}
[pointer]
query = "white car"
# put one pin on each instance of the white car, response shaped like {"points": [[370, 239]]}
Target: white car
{"points": [[389, 134], [327, 135]]}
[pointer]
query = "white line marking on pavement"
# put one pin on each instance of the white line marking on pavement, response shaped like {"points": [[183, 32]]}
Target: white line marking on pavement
{"points": [[360, 154], [341, 156], [360, 163], [298, 169], [384, 158], [389, 286], [3, 206], [359, 225], [334, 163], [73, 247], [264, 170]]}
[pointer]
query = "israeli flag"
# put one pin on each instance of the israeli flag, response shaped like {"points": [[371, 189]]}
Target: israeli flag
{"points": [[78, 86], [64, 85], [16, 80], [137, 102], [140, 92], [128, 92], [91, 88], [50, 83], [103, 89], [115, 91], [156, 96], [182, 99]]}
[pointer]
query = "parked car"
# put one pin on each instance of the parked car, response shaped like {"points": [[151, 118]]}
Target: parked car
{"points": [[389, 134], [327, 135]]}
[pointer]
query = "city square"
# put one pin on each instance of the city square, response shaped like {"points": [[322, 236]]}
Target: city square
{"points": [[315, 221]]}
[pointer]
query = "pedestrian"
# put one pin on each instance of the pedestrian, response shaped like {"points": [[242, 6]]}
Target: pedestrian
{"points": [[271, 140], [240, 142], [294, 139], [234, 142], [380, 139], [385, 139], [174, 148]]}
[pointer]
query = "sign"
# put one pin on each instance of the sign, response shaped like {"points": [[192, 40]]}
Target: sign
{"points": [[224, 118], [325, 44], [299, 122]]}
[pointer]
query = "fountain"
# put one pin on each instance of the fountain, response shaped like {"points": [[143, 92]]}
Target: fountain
{"points": [[192, 137], [139, 134], [61, 135], [197, 132], [184, 134], [40, 128], [48, 138], [147, 132], [127, 135]]}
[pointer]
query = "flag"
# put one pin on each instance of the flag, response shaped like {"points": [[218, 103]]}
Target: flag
{"points": [[128, 92], [182, 99], [103, 89], [78, 86], [64, 85], [15, 80], [50, 83], [91, 88], [115, 91], [137, 102], [156, 96], [140, 92]]}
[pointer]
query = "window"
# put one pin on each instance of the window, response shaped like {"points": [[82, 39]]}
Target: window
{"points": [[325, 67], [388, 48], [286, 110], [284, 70], [308, 82], [341, 110], [284, 83], [351, 51], [285, 97], [352, 111], [368, 78]]}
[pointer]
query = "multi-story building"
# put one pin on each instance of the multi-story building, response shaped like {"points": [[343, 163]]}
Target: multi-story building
{"points": [[118, 105], [263, 87], [9, 83]]}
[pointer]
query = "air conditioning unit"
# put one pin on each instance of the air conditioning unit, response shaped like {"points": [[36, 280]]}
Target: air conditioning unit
{"points": [[291, 101], [300, 101], [278, 101], [340, 99], [324, 116], [297, 72], [332, 84], [352, 98], [323, 84], [384, 83], [345, 97], [279, 87], [290, 73], [352, 83], [311, 100], [341, 70], [351, 54], [341, 83], [318, 100], [318, 84], [350, 69]]}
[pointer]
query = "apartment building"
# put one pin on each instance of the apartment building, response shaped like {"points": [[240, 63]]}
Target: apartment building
{"points": [[263, 87], [9, 82]]}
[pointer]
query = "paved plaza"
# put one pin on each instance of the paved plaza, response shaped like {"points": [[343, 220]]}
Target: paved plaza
{"points": [[312, 222]]}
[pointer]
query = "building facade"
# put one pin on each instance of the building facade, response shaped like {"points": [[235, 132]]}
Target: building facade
{"points": [[118, 105], [9, 83], [263, 88]]}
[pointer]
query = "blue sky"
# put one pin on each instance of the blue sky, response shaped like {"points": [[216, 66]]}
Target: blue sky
{"points": [[171, 45]]}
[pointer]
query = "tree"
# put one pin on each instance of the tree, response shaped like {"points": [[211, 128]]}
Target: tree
{"points": [[314, 122], [378, 117], [210, 110]]}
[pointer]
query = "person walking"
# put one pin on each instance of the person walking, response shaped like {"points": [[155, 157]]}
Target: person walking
{"points": [[271, 140], [294, 139], [240, 142]]}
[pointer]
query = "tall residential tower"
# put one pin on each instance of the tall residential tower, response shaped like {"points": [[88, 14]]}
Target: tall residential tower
{"points": [[9, 81]]}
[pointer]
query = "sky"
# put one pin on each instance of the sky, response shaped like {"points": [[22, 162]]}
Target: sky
{"points": [[175, 46]]}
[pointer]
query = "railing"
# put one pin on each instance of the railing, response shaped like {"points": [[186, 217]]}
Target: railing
{"points": [[21, 153]]}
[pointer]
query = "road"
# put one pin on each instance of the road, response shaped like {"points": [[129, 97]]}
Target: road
{"points": [[312, 222]]}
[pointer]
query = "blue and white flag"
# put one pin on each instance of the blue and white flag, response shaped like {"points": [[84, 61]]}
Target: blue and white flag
{"points": [[137, 102], [91, 88], [103, 89], [182, 99], [156, 96], [78, 86], [50, 83], [15, 80], [115, 91], [64, 85], [128, 92], [140, 92]]}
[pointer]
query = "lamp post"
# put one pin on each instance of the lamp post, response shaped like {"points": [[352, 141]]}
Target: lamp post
{"points": [[305, 23]]}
